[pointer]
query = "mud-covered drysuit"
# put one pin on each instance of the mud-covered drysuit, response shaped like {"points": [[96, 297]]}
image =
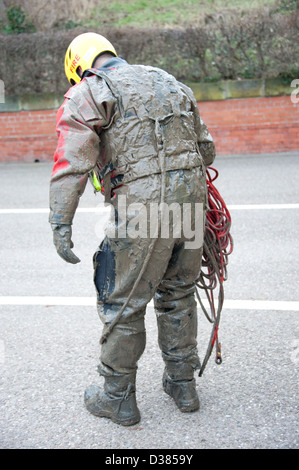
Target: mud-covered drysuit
{"points": [[141, 130]]}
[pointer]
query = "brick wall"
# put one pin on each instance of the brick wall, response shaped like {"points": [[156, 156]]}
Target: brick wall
{"points": [[253, 125], [238, 126], [28, 135]]}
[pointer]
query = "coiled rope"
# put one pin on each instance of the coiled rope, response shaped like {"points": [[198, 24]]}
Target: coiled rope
{"points": [[218, 245]]}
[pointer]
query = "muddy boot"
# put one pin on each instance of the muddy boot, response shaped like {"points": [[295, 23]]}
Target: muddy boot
{"points": [[183, 392], [117, 401]]}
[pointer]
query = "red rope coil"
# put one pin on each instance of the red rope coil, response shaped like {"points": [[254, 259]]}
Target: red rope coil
{"points": [[218, 245]]}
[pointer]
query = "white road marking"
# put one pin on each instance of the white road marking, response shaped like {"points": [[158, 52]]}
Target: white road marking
{"points": [[102, 209], [90, 301], [45, 300], [261, 305], [229, 304], [46, 211], [242, 207]]}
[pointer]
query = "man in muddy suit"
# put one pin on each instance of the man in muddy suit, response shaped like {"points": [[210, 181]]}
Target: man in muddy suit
{"points": [[141, 132]]}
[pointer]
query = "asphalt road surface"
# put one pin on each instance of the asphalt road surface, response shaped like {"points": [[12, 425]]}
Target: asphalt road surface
{"points": [[49, 328]]}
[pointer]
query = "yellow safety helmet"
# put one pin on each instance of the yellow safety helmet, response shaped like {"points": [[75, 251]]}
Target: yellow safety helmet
{"points": [[82, 52]]}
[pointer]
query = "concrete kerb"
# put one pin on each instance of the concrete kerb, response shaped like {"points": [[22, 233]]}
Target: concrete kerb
{"points": [[214, 91]]}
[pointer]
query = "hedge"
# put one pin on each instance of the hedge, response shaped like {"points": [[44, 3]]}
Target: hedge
{"points": [[256, 44]]}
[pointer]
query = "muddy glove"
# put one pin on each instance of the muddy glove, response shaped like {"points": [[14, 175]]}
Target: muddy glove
{"points": [[62, 240]]}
